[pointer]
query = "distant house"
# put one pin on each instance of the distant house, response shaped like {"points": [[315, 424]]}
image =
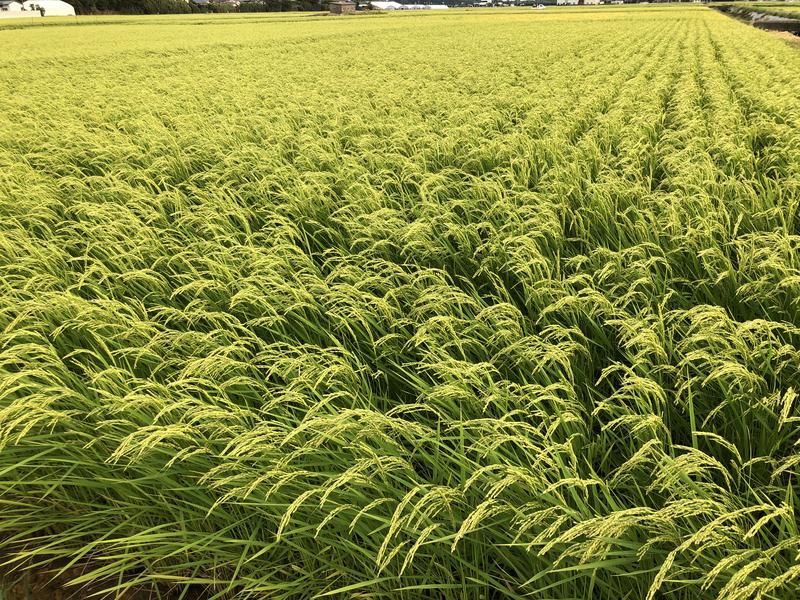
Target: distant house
{"points": [[10, 6], [577, 2], [49, 8], [342, 7]]}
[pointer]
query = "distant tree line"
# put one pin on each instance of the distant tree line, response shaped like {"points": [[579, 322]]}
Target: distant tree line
{"points": [[165, 7], [131, 7], [283, 5]]}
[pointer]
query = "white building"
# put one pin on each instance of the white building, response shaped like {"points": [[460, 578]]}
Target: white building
{"points": [[10, 6], [379, 5], [51, 8], [577, 2]]}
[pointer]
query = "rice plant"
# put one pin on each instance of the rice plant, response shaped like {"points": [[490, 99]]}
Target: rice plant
{"points": [[471, 305]]}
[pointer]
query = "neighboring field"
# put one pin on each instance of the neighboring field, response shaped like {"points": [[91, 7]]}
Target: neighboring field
{"points": [[781, 9], [480, 305]]}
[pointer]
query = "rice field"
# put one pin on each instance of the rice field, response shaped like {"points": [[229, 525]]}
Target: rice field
{"points": [[479, 305]]}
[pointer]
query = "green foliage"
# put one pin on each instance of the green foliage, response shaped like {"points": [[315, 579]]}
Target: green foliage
{"points": [[468, 305], [133, 7], [282, 6], [166, 7]]}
